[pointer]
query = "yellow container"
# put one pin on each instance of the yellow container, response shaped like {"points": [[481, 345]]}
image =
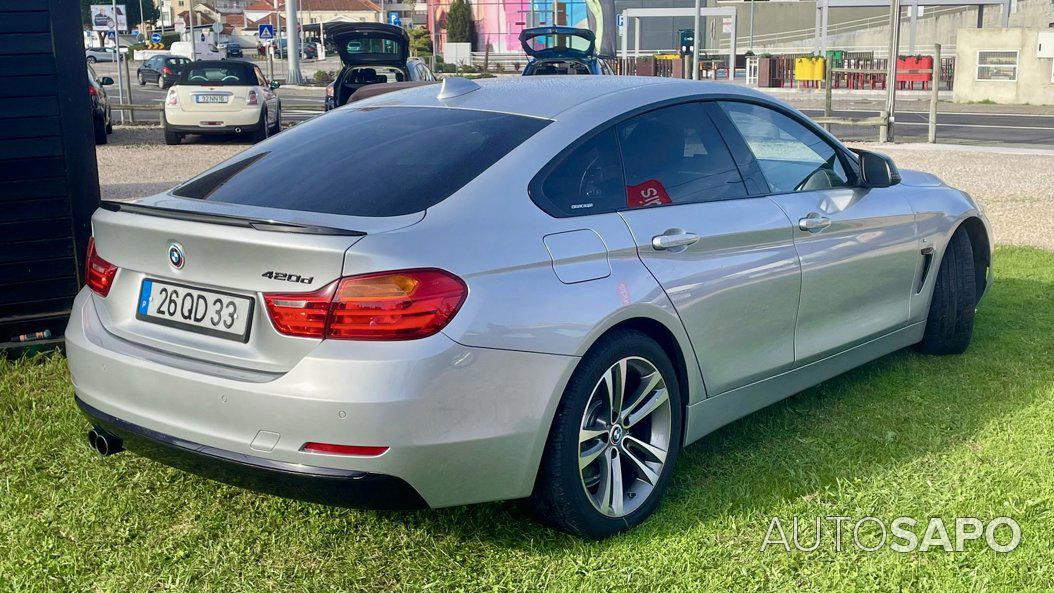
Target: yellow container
{"points": [[811, 68]]}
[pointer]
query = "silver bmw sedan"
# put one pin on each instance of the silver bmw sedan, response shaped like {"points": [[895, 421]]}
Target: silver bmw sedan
{"points": [[535, 288]]}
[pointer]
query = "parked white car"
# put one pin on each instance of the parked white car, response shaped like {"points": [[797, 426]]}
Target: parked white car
{"points": [[104, 54], [222, 97], [200, 51]]}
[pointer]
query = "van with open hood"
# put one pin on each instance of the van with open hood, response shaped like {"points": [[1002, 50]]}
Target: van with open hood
{"points": [[372, 53], [561, 50]]}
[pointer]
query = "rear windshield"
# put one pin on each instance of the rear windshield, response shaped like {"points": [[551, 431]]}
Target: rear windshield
{"points": [[373, 46], [381, 161], [218, 74], [176, 61]]}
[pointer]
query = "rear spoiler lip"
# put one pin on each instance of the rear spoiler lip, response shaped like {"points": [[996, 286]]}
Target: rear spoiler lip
{"points": [[275, 226]]}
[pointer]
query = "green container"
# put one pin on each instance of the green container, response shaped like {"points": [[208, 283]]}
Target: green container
{"points": [[835, 55]]}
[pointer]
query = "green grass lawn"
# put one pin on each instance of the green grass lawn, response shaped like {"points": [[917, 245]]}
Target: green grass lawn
{"points": [[907, 435]]}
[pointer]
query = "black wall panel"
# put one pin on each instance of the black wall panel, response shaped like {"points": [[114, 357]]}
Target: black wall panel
{"points": [[49, 183]]}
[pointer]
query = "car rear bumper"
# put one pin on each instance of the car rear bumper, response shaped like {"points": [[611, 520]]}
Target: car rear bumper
{"points": [[462, 424], [328, 486], [225, 122]]}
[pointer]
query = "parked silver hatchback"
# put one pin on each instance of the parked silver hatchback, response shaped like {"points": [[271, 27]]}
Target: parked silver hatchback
{"points": [[539, 287]]}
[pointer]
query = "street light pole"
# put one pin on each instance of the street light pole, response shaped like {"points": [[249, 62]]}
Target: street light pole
{"points": [[695, 41], [293, 75], [117, 48], [891, 69]]}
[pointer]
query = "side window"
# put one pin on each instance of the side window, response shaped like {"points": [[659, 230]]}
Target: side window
{"points": [[588, 180], [260, 78], [675, 155], [791, 156]]}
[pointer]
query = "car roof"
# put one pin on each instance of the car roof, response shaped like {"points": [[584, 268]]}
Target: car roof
{"points": [[548, 96]]}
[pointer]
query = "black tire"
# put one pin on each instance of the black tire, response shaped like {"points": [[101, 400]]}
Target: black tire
{"points": [[559, 497], [161, 81], [91, 59], [261, 132], [173, 138], [142, 81], [277, 127], [949, 326], [100, 131]]}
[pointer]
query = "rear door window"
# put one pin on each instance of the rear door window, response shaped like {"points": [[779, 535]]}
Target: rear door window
{"points": [[381, 161], [675, 155]]}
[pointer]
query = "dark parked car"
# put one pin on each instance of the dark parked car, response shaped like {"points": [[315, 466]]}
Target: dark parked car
{"points": [[561, 50], [162, 70], [308, 50], [234, 50], [100, 105], [372, 53]]}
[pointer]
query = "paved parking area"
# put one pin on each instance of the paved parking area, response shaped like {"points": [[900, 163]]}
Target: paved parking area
{"points": [[1016, 187]]}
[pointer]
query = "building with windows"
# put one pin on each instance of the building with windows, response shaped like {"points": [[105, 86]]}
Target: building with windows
{"points": [[1012, 66]]}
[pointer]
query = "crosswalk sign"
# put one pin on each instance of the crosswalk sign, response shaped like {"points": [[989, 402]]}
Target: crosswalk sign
{"points": [[266, 32]]}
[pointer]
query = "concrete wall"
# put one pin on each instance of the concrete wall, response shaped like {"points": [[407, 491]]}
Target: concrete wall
{"points": [[1033, 85]]}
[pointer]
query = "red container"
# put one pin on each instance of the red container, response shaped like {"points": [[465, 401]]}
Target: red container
{"points": [[914, 63]]}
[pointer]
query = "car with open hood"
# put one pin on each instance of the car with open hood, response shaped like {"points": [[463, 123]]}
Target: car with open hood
{"points": [[372, 53], [561, 50]]}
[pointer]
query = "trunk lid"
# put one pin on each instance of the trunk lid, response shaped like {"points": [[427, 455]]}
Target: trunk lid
{"points": [[231, 249], [362, 44], [558, 43]]}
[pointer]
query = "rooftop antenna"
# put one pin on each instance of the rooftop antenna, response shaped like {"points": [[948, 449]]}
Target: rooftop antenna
{"points": [[455, 86]]}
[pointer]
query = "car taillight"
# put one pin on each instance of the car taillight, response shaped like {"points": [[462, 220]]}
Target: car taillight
{"points": [[251, 100], [92, 91], [166, 70], [403, 305], [173, 98], [98, 273]]}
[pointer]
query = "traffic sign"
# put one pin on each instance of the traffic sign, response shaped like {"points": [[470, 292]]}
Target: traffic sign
{"points": [[111, 35], [266, 32], [155, 37], [393, 18]]}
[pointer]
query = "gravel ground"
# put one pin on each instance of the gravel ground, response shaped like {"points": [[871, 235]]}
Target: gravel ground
{"points": [[137, 163], [1016, 189]]}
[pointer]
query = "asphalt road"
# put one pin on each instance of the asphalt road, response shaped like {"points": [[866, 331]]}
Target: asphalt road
{"points": [[967, 128]]}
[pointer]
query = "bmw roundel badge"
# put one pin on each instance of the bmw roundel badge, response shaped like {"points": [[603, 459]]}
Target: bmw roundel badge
{"points": [[176, 256]]}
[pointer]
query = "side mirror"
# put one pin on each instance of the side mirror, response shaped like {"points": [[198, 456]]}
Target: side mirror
{"points": [[877, 170], [106, 81], [274, 84]]}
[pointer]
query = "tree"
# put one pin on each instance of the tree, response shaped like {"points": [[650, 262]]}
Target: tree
{"points": [[459, 27], [421, 41]]}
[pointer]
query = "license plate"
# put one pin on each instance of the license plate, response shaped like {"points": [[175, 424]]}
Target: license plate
{"points": [[210, 98], [217, 314]]}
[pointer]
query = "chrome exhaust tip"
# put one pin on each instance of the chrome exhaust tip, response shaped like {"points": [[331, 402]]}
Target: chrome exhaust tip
{"points": [[104, 443]]}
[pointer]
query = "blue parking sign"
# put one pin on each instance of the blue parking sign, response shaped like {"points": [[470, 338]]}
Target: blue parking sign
{"points": [[265, 32], [393, 18]]}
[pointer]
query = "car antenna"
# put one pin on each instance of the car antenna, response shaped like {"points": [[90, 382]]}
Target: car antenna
{"points": [[455, 86]]}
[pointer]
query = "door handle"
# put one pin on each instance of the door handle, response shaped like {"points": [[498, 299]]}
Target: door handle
{"points": [[814, 223], [673, 239]]}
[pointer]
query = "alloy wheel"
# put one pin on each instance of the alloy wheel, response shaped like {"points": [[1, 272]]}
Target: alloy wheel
{"points": [[624, 437]]}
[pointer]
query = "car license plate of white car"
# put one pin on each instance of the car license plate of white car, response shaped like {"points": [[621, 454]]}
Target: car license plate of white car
{"points": [[210, 98], [209, 312]]}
